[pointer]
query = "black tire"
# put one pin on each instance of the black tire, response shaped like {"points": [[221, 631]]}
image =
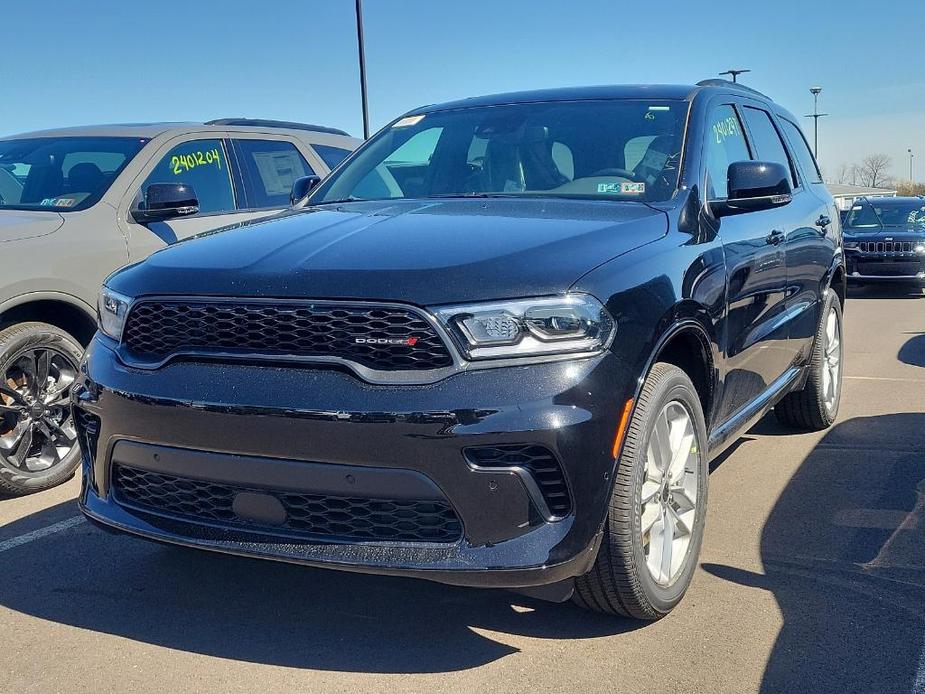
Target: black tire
{"points": [[807, 408], [14, 342], [619, 582]]}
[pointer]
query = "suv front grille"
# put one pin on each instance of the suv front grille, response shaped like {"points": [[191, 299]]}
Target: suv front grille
{"points": [[318, 516], [539, 461], [383, 338], [885, 246]]}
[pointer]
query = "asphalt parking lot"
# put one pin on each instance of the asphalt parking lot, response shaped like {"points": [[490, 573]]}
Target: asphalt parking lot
{"points": [[812, 579]]}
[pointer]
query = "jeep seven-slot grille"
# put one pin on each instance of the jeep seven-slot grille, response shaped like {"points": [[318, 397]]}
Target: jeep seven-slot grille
{"points": [[539, 461], [310, 515], [383, 338], [885, 246]]}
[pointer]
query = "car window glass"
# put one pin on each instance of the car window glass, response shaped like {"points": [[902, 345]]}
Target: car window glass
{"points": [[269, 168], [564, 160], [800, 150], [725, 144], [330, 155], [635, 150], [765, 139], [402, 173], [203, 165]]}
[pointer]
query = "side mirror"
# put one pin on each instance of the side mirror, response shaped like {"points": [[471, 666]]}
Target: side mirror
{"points": [[163, 201], [301, 187], [753, 186]]}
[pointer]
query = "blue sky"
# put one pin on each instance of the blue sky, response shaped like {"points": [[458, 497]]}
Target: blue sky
{"points": [[123, 60]]}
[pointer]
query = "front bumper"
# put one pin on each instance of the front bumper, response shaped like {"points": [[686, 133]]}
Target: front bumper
{"points": [[309, 429], [884, 267]]}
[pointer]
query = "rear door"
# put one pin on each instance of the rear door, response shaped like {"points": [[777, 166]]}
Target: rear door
{"points": [[755, 330], [812, 244]]}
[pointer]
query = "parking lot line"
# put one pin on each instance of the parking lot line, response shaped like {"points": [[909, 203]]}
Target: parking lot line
{"points": [[884, 378], [40, 533]]}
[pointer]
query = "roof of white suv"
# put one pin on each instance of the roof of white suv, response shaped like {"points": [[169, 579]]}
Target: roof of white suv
{"points": [[150, 130]]}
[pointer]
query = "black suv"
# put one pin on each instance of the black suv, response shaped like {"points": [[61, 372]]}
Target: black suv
{"points": [[885, 240], [497, 348]]}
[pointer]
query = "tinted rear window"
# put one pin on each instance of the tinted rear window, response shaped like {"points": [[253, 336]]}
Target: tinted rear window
{"points": [[332, 156]]}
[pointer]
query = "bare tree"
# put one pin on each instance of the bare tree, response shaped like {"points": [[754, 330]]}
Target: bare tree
{"points": [[847, 174], [872, 171]]}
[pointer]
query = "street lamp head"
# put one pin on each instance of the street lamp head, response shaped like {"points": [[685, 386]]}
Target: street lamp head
{"points": [[815, 90]]}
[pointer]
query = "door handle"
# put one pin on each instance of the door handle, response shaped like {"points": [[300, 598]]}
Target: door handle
{"points": [[823, 221], [775, 237]]}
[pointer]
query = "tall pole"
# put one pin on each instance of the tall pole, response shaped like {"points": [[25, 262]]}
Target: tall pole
{"points": [[362, 51], [815, 115], [911, 155]]}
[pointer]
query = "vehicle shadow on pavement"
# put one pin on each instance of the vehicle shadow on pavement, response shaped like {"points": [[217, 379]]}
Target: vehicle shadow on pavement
{"points": [[844, 555], [268, 612], [913, 351]]}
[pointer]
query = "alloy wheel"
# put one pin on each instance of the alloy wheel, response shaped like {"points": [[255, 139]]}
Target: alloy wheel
{"points": [[36, 426], [669, 495], [831, 356]]}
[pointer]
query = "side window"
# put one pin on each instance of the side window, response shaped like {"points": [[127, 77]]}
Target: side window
{"points": [[800, 150], [725, 144], [330, 155], [203, 165], [269, 168], [765, 138]]}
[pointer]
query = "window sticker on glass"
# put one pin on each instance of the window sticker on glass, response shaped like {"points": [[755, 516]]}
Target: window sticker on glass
{"points": [[278, 170], [182, 163], [408, 121], [622, 188]]}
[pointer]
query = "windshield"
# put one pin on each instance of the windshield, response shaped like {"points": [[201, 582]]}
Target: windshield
{"points": [[614, 149], [876, 213], [61, 174]]}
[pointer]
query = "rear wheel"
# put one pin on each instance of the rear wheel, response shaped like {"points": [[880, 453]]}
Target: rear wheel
{"points": [[654, 527], [815, 406], [38, 441]]}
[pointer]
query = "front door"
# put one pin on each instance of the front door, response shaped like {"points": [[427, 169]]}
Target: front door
{"points": [[755, 329]]}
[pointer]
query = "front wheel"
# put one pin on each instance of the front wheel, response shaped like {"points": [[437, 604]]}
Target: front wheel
{"points": [[654, 527], [38, 441]]}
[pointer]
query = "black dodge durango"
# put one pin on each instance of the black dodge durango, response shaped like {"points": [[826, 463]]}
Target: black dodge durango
{"points": [[497, 347]]}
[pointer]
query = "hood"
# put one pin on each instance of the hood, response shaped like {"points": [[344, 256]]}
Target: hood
{"points": [[423, 252], [26, 224]]}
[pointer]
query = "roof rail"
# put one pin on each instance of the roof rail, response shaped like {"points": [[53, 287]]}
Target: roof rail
{"points": [[730, 85], [267, 123]]}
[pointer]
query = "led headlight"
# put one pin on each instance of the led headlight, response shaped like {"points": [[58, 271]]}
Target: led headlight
{"points": [[112, 309], [919, 248], [851, 244], [576, 323]]}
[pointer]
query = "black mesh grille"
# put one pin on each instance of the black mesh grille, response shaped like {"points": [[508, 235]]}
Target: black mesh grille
{"points": [[310, 515], [88, 432], [382, 338], [541, 463]]}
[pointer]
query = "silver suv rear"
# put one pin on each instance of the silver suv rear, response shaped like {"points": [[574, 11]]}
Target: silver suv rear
{"points": [[77, 204]]}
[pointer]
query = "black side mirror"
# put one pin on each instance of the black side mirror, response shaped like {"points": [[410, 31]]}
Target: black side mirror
{"points": [[301, 187], [163, 201], [753, 186]]}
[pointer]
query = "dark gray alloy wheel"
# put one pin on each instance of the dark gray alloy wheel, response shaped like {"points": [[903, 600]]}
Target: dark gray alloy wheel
{"points": [[38, 440]]}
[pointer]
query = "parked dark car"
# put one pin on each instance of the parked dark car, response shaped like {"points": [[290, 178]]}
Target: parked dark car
{"points": [[497, 348], [885, 240]]}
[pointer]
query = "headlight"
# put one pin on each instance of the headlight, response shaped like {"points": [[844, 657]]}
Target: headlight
{"points": [[113, 309], [530, 327], [920, 248], [851, 244]]}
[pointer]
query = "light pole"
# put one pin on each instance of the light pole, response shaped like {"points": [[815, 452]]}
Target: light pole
{"points": [[362, 51], [911, 157], [815, 115], [734, 73]]}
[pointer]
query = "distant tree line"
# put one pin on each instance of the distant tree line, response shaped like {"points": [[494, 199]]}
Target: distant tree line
{"points": [[873, 172]]}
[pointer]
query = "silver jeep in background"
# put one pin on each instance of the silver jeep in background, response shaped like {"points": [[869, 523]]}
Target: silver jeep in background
{"points": [[77, 204]]}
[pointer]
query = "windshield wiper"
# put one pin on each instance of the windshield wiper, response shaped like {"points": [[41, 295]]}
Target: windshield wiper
{"points": [[350, 198]]}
